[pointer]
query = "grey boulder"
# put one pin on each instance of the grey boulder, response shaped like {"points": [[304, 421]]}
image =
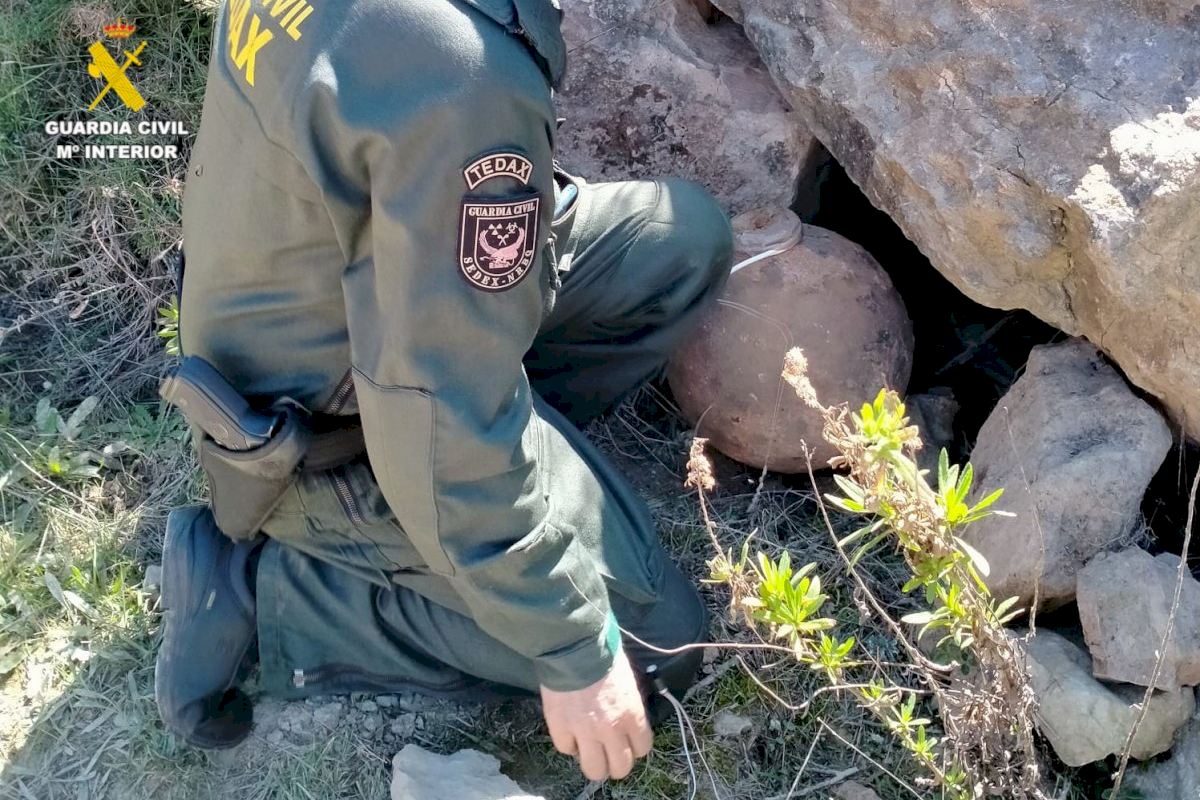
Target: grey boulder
{"points": [[1043, 155], [653, 90], [1085, 720], [1074, 450], [1124, 603], [1175, 778]]}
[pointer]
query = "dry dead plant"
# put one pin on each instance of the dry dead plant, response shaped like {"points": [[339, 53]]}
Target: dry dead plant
{"points": [[982, 693]]}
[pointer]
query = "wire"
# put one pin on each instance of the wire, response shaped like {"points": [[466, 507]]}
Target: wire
{"points": [[685, 727]]}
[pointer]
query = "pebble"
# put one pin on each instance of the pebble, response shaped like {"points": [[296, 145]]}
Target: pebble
{"points": [[405, 725], [730, 725]]}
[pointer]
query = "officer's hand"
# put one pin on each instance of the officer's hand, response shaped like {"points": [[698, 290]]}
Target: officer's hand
{"points": [[604, 725]]}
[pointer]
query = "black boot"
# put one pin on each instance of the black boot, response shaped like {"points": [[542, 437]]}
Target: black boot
{"points": [[208, 630]]}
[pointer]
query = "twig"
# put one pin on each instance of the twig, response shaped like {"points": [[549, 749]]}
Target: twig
{"points": [[1181, 575], [710, 679], [804, 765], [820, 690], [969, 353], [900, 781], [816, 787]]}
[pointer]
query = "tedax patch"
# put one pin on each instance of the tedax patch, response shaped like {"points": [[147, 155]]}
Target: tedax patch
{"points": [[498, 239], [498, 165]]}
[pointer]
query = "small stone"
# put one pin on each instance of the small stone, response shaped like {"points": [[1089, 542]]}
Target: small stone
{"points": [[327, 715], [153, 578], [853, 790], [418, 774], [386, 700], [368, 706], [370, 723], [730, 725], [404, 726], [1085, 720]]}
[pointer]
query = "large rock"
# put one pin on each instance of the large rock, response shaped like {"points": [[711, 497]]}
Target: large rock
{"points": [[418, 774], [1175, 778], [653, 90], [825, 295], [1044, 155], [1074, 450], [1124, 602], [1085, 720]]}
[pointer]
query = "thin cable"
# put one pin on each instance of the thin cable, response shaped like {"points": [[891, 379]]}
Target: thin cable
{"points": [[682, 714], [693, 780], [755, 259], [783, 247]]}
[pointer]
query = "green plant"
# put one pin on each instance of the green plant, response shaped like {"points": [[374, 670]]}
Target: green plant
{"points": [[52, 449], [168, 326], [983, 699]]}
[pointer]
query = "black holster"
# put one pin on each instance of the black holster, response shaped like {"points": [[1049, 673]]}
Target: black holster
{"points": [[247, 485]]}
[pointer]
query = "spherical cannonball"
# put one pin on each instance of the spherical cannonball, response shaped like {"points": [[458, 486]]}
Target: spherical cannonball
{"points": [[825, 295]]}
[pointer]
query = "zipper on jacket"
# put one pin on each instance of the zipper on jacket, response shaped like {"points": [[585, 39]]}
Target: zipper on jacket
{"points": [[341, 487], [341, 394]]}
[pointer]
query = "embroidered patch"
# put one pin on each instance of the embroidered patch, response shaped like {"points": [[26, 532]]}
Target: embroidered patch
{"points": [[497, 241], [497, 165]]}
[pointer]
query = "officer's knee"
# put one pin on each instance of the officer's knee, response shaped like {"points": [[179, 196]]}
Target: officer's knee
{"points": [[671, 630], [701, 234], [675, 618]]}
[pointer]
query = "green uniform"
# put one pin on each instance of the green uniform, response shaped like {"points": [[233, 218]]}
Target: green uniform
{"points": [[374, 225]]}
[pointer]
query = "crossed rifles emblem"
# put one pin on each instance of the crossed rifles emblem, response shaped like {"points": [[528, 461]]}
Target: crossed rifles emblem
{"points": [[105, 67]]}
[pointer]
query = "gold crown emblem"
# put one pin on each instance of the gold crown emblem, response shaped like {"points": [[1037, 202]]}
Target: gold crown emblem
{"points": [[119, 30]]}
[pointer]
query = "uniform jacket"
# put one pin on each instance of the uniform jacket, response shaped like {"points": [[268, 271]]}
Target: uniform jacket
{"points": [[324, 233]]}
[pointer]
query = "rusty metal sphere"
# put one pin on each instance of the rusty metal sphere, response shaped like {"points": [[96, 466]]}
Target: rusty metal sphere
{"points": [[824, 294]]}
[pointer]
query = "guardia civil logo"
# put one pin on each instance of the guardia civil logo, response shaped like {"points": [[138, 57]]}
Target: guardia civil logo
{"points": [[78, 134], [116, 76]]}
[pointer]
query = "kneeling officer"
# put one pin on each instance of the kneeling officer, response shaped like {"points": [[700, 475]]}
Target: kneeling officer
{"points": [[397, 311]]}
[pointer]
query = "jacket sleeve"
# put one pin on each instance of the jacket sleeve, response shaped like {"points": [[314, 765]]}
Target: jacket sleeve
{"points": [[437, 360]]}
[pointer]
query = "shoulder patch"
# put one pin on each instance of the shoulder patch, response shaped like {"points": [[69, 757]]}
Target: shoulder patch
{"points": [[497, 241], [496, 165]]}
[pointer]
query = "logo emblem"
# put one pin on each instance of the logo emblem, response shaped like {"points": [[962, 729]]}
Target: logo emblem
{"points": [[498, 241], [497, 165], [105, 67]]}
